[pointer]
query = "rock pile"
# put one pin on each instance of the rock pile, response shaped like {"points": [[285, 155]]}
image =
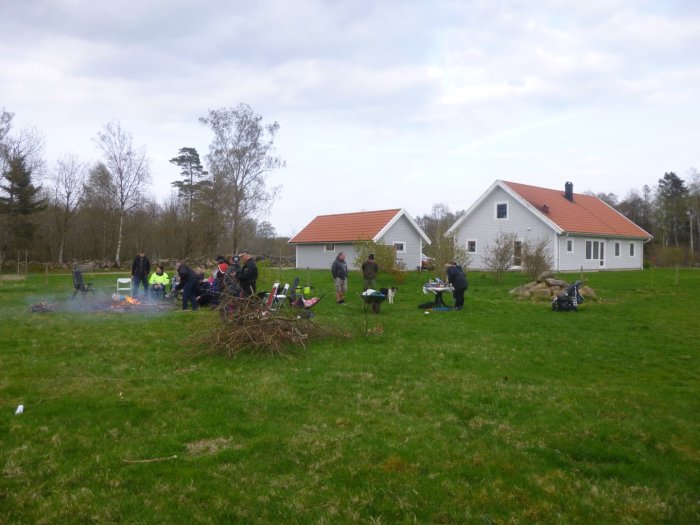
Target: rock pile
{"points": [[546, 287]]}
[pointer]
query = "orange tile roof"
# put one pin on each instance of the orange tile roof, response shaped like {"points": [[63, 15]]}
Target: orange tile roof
{"points": [[345, 227], [586, 214]]}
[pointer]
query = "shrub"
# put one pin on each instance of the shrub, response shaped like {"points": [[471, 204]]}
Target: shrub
{"points": [[498, 257], [536, 257], [384, 256]]}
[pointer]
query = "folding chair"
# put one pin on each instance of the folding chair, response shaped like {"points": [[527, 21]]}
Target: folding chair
{"points": [[123, 285], [280, 297], [79, 285]]}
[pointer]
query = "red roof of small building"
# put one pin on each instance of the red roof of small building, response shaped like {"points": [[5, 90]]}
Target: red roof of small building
{"points": [[585, 214], [345, 227]]}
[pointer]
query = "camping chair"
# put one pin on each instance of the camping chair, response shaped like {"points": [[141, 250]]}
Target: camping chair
{"points": [[301, 303], [123, 285], [270, 297], [79, 285]]}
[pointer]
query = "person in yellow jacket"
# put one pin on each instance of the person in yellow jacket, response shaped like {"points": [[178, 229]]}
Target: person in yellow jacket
{"points": [[157, 282]]}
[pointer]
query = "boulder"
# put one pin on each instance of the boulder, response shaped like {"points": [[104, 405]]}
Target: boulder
{"points": [[556, 282], [587, 291], [547, 274], [541, 293]]}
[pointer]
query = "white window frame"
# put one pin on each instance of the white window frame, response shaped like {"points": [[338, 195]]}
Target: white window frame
{"points": [[572, 243], [402, 243], [326, 245], [597, 251], [632, 249], [495, 210], [476, 246], [618, 249]]}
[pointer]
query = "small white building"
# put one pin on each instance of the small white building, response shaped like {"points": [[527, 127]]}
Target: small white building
{"points": [[582, 230], [320, 241]]}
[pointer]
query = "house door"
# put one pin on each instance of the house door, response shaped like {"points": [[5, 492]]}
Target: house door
{"points": [[518, 253], [595, 251]]}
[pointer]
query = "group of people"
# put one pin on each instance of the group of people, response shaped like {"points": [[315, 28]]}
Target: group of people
{"points": [[370, 269], [236, 275]]}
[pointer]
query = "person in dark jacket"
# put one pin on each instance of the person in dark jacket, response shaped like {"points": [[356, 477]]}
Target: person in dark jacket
{"points": [[339, 270], [188, 282], [248, 276], [369, 273], [456, 277], [140, 270]]}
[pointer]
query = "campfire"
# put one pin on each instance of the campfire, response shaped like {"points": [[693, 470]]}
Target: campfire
{"points": [[123, 300]]}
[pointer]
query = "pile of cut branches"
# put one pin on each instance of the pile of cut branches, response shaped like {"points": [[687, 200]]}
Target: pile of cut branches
{"points": [[248, 324]]}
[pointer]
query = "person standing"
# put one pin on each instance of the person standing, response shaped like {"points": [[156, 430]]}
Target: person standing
{"points": [[369, 273], [188, 282], [456, 277], [140, 269], [339, 270], [248, 276]]}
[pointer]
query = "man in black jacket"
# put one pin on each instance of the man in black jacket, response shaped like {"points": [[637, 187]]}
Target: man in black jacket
{"points": [[339, 270], [188, 282], [455, 276], [248, 275], [140, 270]]}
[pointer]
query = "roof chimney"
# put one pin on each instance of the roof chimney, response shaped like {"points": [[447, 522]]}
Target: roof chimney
{"points": [[569, 191]]}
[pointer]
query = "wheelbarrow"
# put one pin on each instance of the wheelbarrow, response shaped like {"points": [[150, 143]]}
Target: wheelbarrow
{"points": [[373, 300]]}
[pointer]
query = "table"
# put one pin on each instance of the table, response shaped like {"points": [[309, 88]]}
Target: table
{"points": [[438, 290]]}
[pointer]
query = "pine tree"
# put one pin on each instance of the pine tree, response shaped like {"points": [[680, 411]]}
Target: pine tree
{"points": [[19, 203], [191, 187]]}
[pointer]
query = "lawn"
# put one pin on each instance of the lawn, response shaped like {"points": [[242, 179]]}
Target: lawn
{"points": [[504, 412]]}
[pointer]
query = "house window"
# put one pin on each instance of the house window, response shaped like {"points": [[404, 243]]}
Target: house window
{"points": [[400, 247], [569, 246], [471, 246], [501, 210], [595, 250], [631, 249], [518, 253], [617, 249], [329, 247]]}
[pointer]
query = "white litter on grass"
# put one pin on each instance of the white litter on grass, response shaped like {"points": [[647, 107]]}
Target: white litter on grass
{"points": [[20, 409]]}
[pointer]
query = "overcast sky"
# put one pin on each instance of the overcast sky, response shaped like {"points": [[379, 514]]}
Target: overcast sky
{"points": [[381, 104]]}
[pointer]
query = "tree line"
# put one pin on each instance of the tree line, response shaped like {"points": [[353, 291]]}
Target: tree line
{"points": [[75, 210]]}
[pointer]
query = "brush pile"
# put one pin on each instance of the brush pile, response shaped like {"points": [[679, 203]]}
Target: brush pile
{"points": [[248, 324]]}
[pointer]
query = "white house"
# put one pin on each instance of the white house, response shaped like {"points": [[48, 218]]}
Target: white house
{"points": [[582, 230], [320, 241]]}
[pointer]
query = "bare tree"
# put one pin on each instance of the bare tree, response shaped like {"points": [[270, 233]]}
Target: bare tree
{"points": [[242, 154], [128, 169], [498, 257], [67, 180]]}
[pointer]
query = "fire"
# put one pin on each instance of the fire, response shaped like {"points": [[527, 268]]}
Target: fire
{"points": [[123, 300]]}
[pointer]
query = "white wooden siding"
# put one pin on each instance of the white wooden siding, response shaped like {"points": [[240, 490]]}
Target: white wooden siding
{"points": [[403, 231], [313, 256], [483, 227]]}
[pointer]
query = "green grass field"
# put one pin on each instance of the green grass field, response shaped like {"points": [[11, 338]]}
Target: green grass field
{"points": [[504, 412]]}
